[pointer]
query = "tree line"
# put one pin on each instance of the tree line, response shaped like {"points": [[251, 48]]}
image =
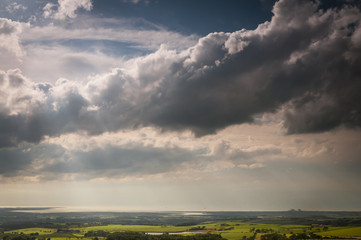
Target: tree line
{"points": [[143, 236]]}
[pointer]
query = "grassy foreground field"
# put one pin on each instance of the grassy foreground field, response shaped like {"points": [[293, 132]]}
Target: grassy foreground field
{"points": [[286, 225], [228, 230]]}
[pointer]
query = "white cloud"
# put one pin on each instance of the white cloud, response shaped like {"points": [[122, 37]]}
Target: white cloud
{"points": [[66, 8], [17, 93], [208, 50], [9, 36], [15, 7], [49, 10]]}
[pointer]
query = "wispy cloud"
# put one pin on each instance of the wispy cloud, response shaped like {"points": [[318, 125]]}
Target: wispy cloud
{"points": [[15, 7], [139, 38], [252, 166]]}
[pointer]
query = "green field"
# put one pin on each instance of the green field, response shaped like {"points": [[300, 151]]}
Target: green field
{"points": [[245, 229], [230, 230], [342, 232], [41, 231], [135, 228]]}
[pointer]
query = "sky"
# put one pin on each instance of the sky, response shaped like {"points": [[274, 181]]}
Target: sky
{"points": [[157, 105]]}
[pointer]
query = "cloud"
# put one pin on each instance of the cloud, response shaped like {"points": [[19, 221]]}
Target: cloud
{"points": [[12, 161], [149, 37], [66, 8], [64, 62], [224, 150], [27, 160], [305, 60], [118, 156], [9, 37], [15, 7], [134, 117], [47, 162], [147, 154], [32, 110], [115, 162], [252, 166], [302, 57], [136, 1]]}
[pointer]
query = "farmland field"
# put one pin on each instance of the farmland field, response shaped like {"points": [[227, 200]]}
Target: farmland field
{"points": [[135, 228], [228, 230], [41, 231], [226, 225], [342, 231]]}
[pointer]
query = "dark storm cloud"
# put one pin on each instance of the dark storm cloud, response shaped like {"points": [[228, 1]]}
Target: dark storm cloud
{"points": [[13, 160], [305, 60], [27, 159], [305, 57], [337, 100], [29, 112]]}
